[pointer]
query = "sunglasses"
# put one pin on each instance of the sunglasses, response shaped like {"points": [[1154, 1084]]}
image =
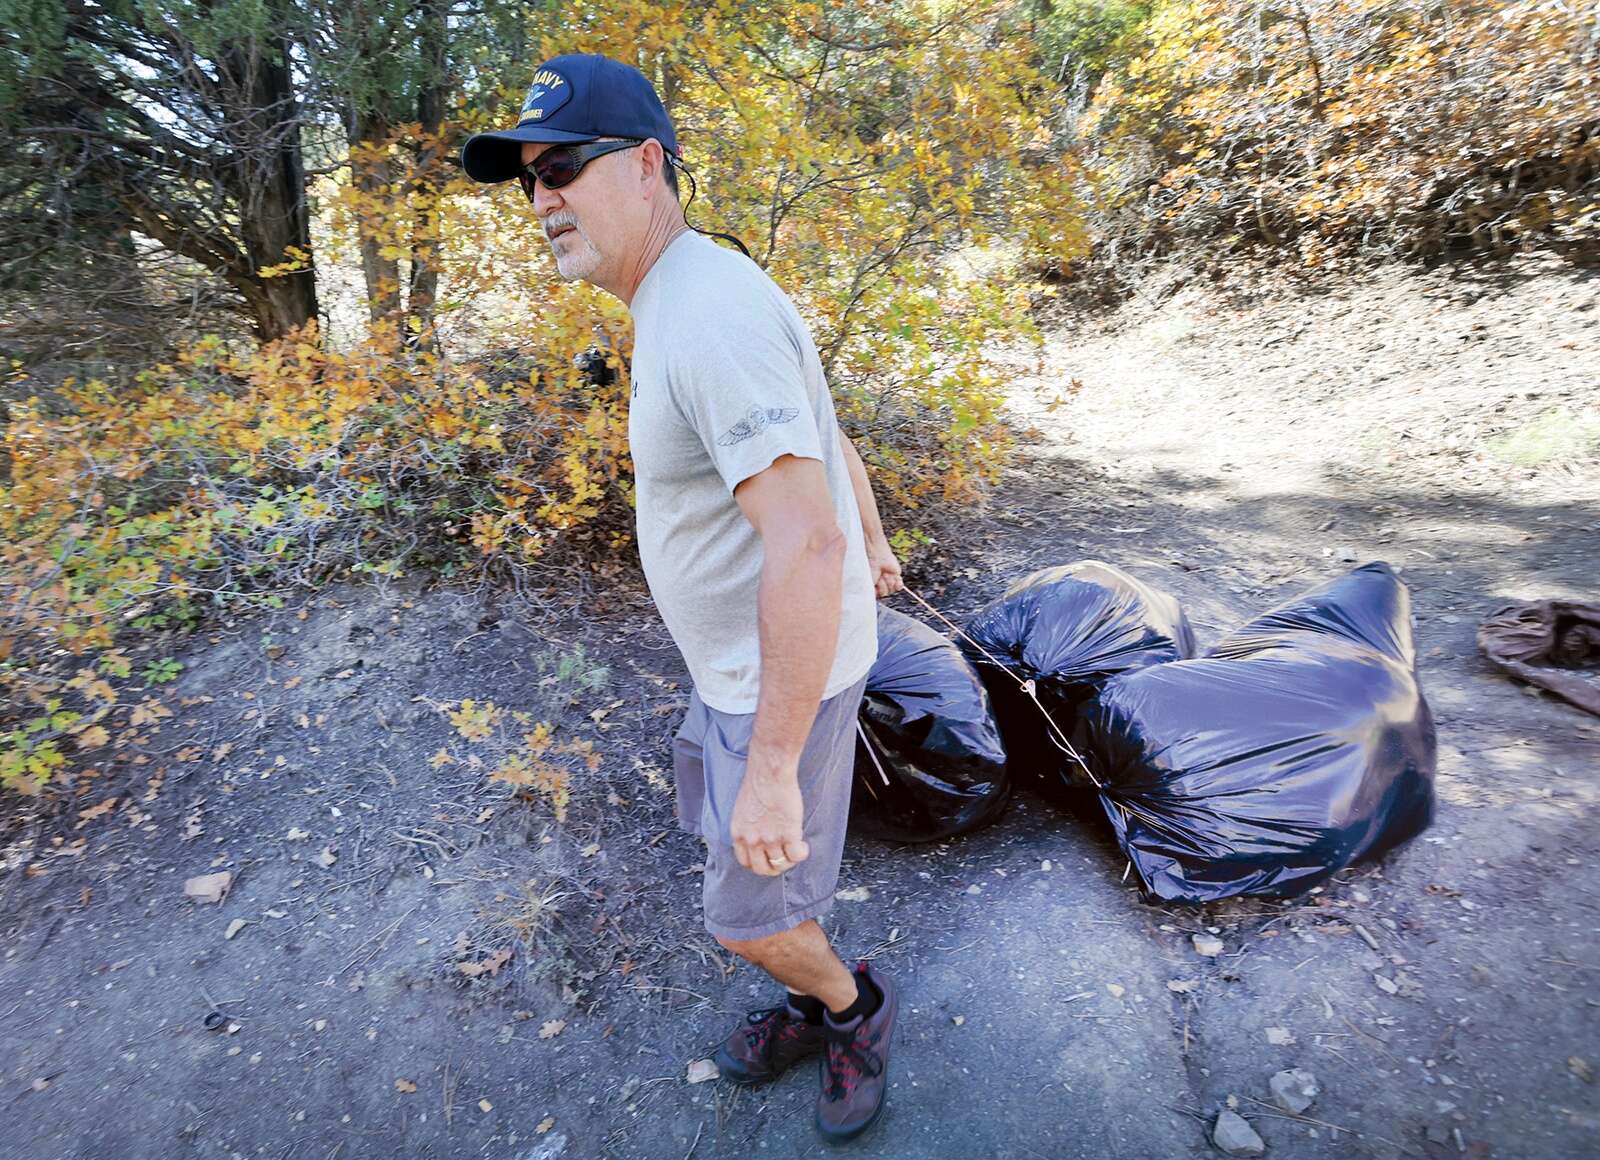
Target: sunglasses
{"points": [[561, 165]]}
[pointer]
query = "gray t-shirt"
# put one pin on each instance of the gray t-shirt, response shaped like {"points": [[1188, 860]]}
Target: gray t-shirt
{"points": [[725, 380]]}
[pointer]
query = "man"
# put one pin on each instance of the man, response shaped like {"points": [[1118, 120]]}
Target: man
{"points": [[762, 546]]}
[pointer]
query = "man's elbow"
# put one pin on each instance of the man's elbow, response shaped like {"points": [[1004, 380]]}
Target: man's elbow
{"points": [[819, 542], [825, 541]]}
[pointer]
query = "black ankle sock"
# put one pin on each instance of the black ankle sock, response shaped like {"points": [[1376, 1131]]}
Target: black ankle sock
{"points": [[867, 1001], [808, 1005]]}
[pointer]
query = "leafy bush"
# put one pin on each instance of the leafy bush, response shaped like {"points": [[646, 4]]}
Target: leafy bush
{"points": [[888, 166], [1422, 128]]}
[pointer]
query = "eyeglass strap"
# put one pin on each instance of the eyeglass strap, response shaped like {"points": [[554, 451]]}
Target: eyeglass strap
{"points": [[694, 188]]}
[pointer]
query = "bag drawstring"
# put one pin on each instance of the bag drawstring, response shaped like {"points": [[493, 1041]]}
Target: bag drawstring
{"points": [[871, 752], [1057, 737]]}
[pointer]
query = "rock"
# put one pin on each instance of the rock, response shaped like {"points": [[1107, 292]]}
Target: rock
{"points": [[1208, 945], [1294, 1090], [701, 1070], [234, 928], [1234, 1135], [209, 887]]}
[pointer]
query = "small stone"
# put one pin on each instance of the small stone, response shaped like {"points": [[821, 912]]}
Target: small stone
{"points": [[1294, 1090], [1208, 945], [1117, 990], [209, 887], [1280, 1036], [234, 928], [485, 1106], [974, 889], [703, 1069], [1234, 1135]]}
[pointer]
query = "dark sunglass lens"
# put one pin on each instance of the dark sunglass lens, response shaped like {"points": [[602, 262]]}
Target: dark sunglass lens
{"points": [[556, 167]]}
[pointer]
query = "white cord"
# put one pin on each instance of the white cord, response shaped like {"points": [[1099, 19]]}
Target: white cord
{"points": [[1057, 737]]}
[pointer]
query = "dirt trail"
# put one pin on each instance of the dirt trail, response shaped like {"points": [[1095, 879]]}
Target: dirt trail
{"points": [[1233, 446]]}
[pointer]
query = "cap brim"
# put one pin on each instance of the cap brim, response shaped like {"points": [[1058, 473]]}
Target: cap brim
{"points": [[497, 156]]}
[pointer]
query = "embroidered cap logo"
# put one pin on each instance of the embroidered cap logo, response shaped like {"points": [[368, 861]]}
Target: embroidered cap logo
{"points": [[548, 93]]}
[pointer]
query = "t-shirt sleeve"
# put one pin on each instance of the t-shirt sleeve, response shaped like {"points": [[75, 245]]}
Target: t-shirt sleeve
{"points": [[740, 384]]}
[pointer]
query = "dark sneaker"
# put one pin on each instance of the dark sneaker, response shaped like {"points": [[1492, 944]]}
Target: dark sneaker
{"points": [[855, 1067], [767, 1043]]}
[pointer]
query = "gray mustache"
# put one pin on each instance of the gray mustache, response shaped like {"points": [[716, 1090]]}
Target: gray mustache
{"points": [[556, 220]]}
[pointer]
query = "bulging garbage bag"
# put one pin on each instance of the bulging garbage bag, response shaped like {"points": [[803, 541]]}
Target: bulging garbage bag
{"points": [[1297, 745], [929, 762], [1069, 629]]}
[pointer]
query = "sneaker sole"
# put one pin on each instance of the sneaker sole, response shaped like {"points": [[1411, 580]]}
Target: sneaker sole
{"points": [[834, 1136]]}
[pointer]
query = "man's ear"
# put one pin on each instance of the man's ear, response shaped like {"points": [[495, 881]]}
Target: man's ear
{"points": [[652, 160]]}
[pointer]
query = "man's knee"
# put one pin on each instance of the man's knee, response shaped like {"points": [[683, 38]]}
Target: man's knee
{"points": [[751, 950]]}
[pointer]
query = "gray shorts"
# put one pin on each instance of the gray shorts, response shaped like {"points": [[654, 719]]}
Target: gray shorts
{"points": [[708, 759]]}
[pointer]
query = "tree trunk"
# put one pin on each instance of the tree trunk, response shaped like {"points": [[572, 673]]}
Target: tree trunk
{"points": [[373, 176], [425, 241], [268, 185]]}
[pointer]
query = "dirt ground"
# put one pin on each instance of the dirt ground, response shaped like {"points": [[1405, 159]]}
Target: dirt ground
{"points": [[1233, 442]]}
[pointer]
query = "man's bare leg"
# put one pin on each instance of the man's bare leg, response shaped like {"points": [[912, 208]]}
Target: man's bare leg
{"points": [[803, 961]]}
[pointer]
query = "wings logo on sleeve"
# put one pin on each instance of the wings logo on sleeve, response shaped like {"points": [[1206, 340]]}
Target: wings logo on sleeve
{"points": [[755, 422]]}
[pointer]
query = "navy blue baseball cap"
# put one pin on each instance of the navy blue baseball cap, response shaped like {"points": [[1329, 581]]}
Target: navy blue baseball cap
{"points": [[577, 97]]}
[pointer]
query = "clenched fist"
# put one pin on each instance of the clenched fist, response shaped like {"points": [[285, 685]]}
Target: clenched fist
{"points": [[767, 827]]}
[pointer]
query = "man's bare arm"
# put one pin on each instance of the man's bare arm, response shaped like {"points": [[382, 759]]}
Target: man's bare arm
{"points": [[798, 606], [885, 567]]}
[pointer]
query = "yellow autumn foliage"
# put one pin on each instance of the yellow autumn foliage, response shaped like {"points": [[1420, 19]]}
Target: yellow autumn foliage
{"points": [[890, 166], [1417, 128]]}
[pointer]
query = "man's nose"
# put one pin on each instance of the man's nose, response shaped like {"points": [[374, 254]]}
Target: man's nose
{"points": [[545, 200]]}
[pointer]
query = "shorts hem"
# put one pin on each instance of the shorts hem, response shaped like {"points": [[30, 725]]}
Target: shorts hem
{"points": [[788, 922]]}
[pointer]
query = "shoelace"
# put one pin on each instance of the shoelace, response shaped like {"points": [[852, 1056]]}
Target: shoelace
{"points": [[761, 1026], [848, 1064], [766, 1023]]}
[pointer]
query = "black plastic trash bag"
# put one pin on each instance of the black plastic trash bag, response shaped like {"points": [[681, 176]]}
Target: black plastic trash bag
{"points": [[1297, 745], [1069, 629], [929, 763]]}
